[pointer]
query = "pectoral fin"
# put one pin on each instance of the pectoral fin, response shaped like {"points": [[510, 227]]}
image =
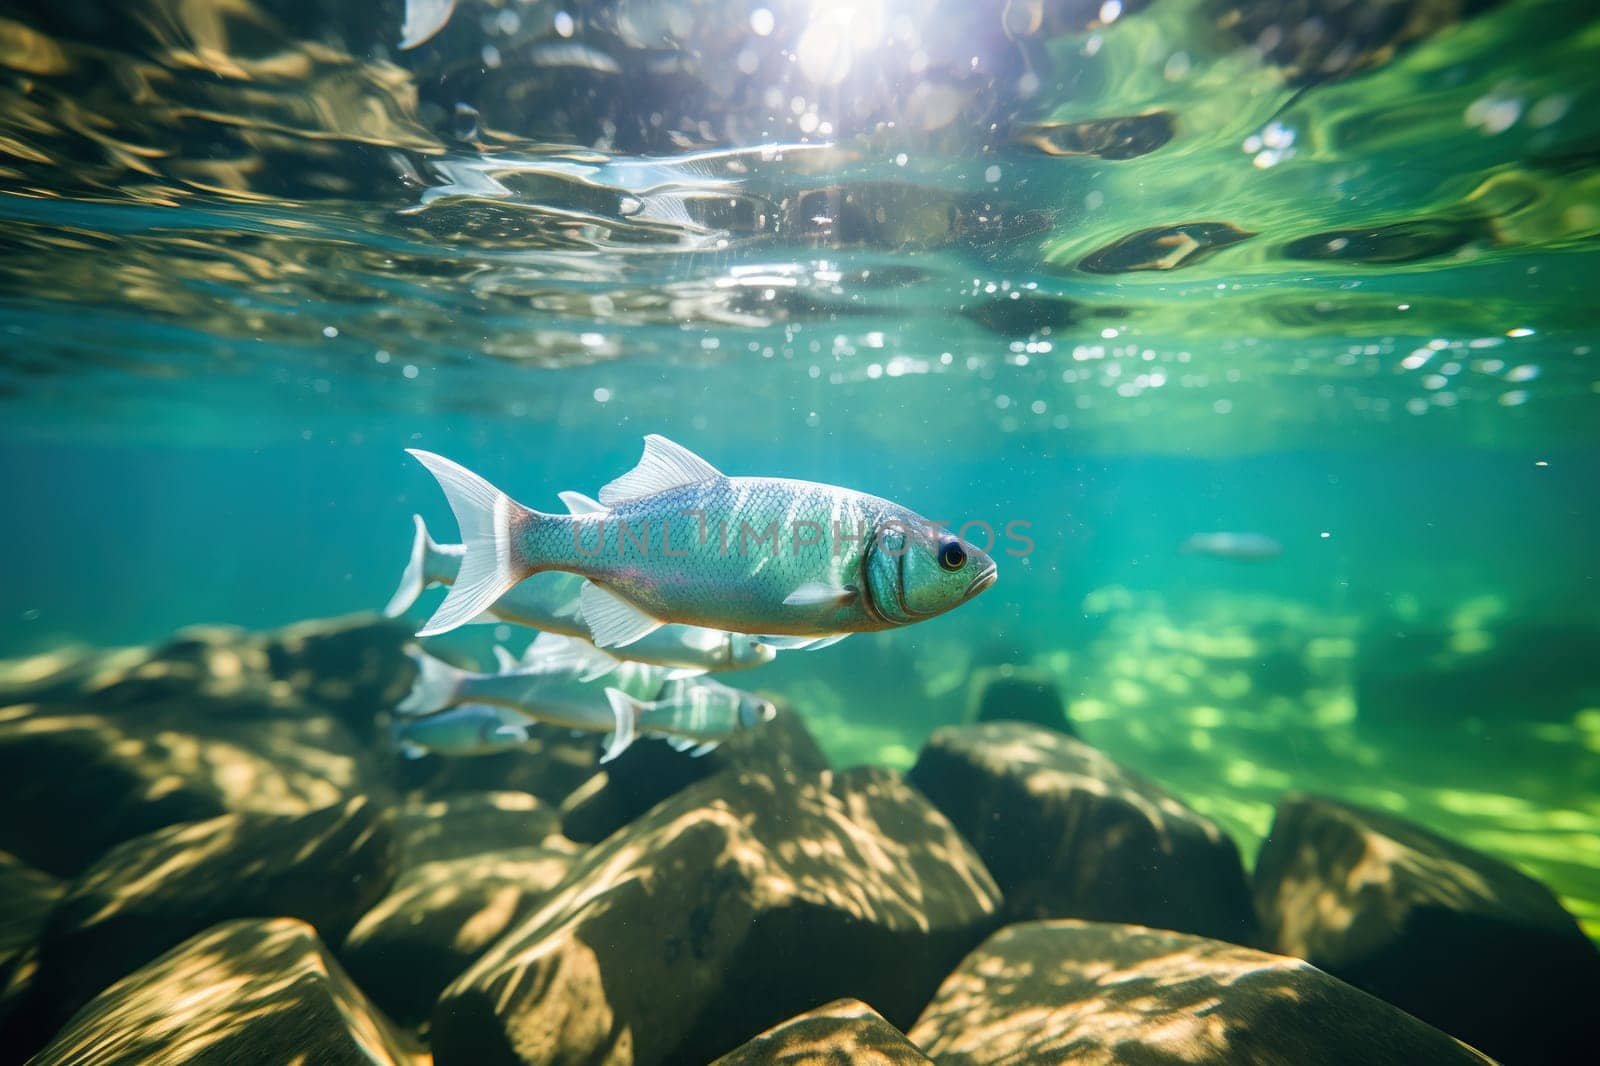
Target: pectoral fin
{"points": [[613, 622], [820, 593]]}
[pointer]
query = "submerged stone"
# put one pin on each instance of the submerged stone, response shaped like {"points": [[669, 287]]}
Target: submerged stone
{"points": [[650, 771], [739, 902], [1459, 939], [27, 896], [89, 780], [1163, 247], [141, 898], [1067, 833], [253, 990], [1093, 993], [471, 823], [845, 1032], [439, 917], [1007, 696]]}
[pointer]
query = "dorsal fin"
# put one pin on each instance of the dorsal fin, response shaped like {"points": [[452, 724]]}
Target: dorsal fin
{"points": [[578, 503], [665, 465]]}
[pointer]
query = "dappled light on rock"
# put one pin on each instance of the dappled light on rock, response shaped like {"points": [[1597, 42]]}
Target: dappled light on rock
{"points": [[1069, 833], [1459, 939], [1120, 995], [661, 946], [255, 990], [846, 1032]]}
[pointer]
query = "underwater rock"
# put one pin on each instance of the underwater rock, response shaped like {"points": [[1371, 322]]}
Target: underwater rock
{"points": [[327, 868], [1090, 992], [845, 1031], [550, 766], [252, 990], [1005, 695], [349, 667], [1163, 247], [439, 917], [1067, 833], [1463, 941], [459, 826], [736, 904], [28, 895], [88, 780], [650, 771], [1125, 137]]}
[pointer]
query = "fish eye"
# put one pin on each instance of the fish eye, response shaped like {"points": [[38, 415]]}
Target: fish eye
{"points": [[952, 556]]}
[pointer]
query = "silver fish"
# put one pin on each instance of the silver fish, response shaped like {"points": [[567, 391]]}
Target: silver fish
{"points": [[1243, 546], [553, 693], [548, 602], [686, 651], [471, 729], [863, 563], [692, 715]]}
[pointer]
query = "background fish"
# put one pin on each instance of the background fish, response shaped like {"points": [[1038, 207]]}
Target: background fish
{"points": [[1245, 546], [748, 568], [692, 715], [471, 729]]}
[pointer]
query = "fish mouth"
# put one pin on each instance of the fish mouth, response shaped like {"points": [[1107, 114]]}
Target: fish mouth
{"points": [[983, 580]]}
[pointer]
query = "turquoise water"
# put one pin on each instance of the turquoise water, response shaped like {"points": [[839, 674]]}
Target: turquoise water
{"points": [[1124, 274]]}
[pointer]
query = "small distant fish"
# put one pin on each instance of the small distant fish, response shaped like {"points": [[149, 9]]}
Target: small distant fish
{"points": [[423, 19], [873, 564], [694, 716], [1243, 546], [471, 729]]}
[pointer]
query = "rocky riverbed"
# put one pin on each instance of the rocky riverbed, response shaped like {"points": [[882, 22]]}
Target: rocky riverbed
{"points": [[210, 855]]}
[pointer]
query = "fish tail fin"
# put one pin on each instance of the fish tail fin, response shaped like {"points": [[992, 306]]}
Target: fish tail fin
{"points": [[490, 522], [626, 709], [415, 578], [436, 687]]}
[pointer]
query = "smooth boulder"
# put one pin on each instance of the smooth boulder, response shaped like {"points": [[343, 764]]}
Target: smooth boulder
{"points": [[471, 823], [845, 1032], [650, 771], [28, 896], [1101, 994], [1461, 940], [326, 868], [248, 991], [91, 779], [439, 917], [1068, 833], [737, 903]]}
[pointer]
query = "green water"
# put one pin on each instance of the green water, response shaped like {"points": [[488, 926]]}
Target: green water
{"points": [[1125, 273]]}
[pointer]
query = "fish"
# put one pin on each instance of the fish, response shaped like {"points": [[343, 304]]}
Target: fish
{"points": [[440, 685], [1242, 546], [557, 693], [687, 651], [548, 602], [872, 564], [692, 716], [470, 729]]}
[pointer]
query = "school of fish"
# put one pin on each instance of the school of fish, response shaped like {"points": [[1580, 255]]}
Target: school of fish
{"points": [[675, 572]]}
